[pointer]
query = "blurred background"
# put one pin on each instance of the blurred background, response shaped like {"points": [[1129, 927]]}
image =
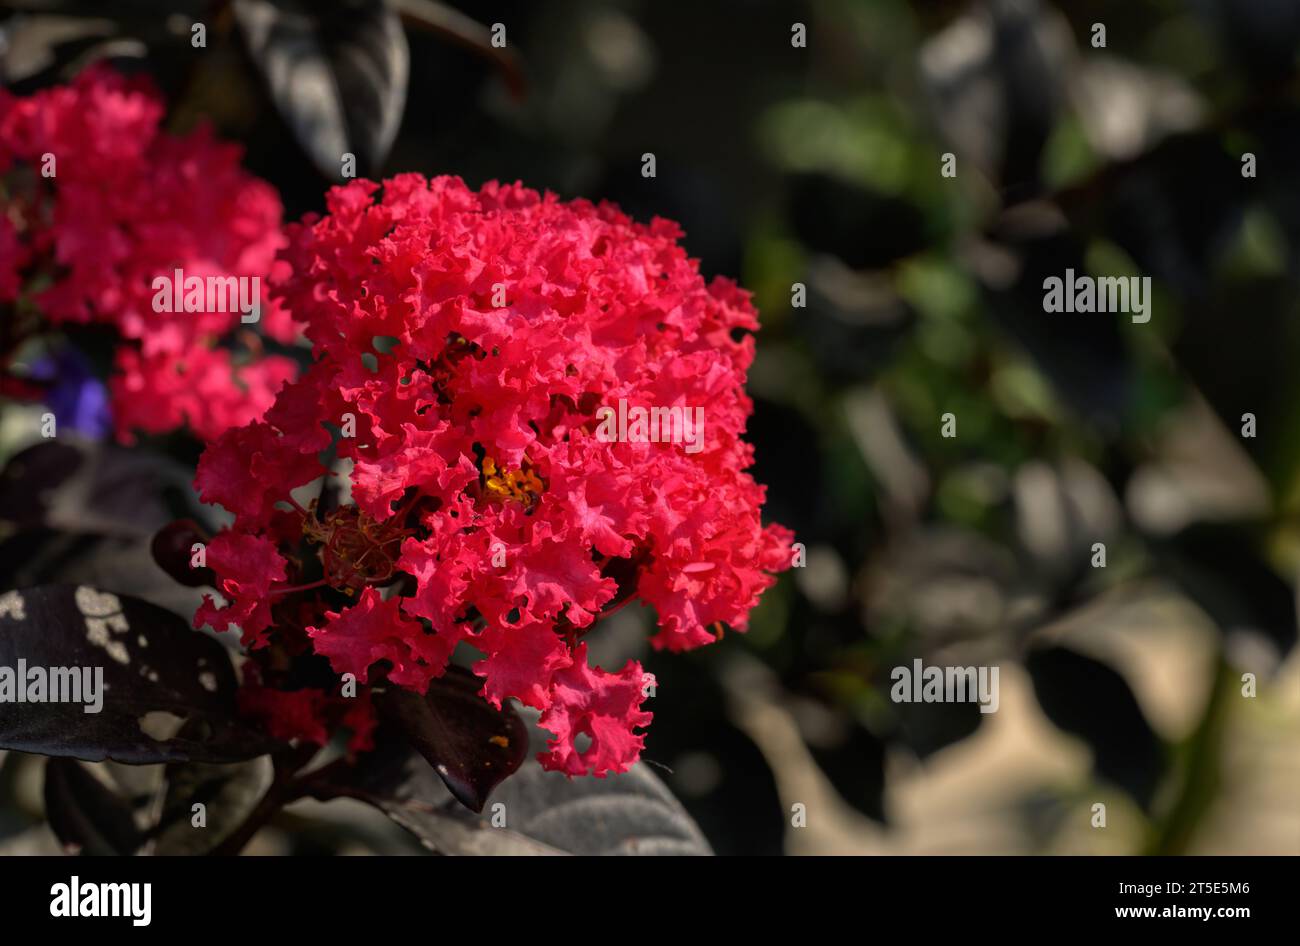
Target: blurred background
{"points": [[1117, 152]]}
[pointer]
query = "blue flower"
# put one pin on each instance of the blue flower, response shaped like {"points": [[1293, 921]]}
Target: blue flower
{"points": [[76, 397]]}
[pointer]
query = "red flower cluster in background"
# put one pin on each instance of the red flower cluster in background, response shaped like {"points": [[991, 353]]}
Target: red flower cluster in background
{"points": [[466, 340], [128, 202]]}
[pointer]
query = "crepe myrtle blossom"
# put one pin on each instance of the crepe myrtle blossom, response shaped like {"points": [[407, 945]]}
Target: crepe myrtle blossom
{"points": [[96, 203], [464, 342]]}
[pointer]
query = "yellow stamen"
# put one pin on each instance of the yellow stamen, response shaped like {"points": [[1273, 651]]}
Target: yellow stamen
{"points": [[521, 485]]}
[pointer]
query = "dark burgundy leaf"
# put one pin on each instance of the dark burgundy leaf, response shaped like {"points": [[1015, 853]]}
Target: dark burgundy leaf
{"points": [[82, 513], [36, 557], [229, 794], [400, 783], [76, 486], [29, 480], [543, 812], [629, 813], [158, 674], [336, 71], [470, 744], [85, 813]]}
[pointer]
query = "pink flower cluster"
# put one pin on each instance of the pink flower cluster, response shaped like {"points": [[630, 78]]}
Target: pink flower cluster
{"points": [[96, 201], [464, 343]]}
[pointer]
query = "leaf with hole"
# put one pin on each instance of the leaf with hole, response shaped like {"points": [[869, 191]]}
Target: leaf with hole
{"points": [[157, 675]]}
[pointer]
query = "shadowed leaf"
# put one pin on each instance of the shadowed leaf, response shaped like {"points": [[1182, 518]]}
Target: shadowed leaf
{"points": [[85, 813], [543, 812], [227, 792]]}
